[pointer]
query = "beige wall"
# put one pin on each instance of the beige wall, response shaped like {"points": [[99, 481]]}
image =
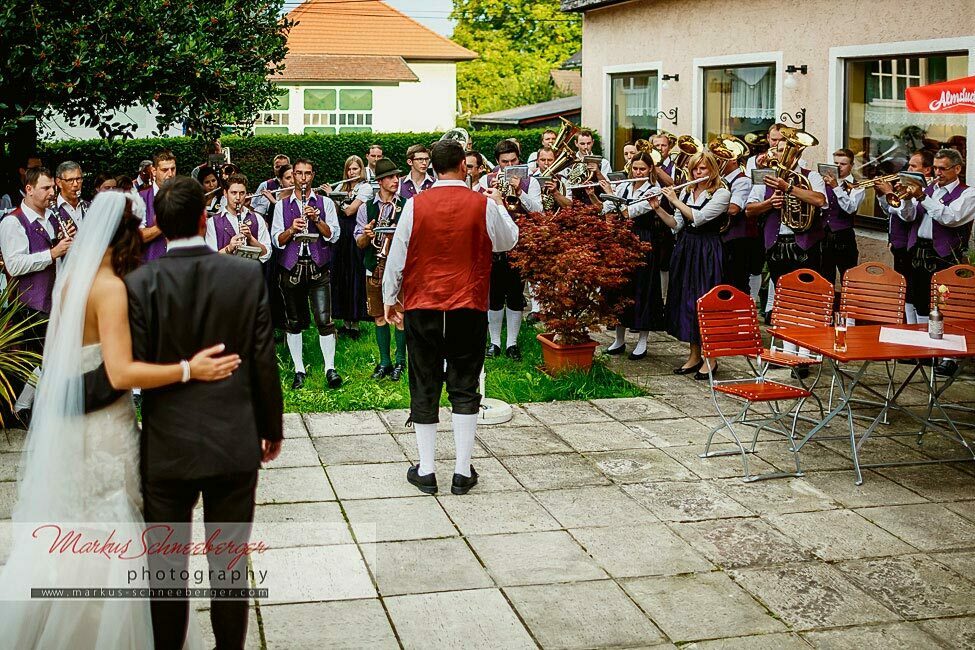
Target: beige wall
{"points": [[675, 32]]}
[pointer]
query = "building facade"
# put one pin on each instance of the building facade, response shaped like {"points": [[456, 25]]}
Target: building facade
{"points": [[726, 66]]}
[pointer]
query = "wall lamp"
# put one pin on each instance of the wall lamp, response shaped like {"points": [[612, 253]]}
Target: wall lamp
{"points": [[790, 81]]}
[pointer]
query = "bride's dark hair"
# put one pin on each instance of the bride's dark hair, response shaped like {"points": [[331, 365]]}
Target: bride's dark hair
{"points": [[127, 242]]}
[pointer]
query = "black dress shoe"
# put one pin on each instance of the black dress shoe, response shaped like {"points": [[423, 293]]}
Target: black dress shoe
{"points": [[332, 378], [946, 368], [381, 372], [703, 376], [493, 351], [800, 372], [397, 372], [768, 318], [633, 356], [686, 371], [513, 353], [613, 351], [426, 484], [354, 334], [463, 484], [299, 381]]}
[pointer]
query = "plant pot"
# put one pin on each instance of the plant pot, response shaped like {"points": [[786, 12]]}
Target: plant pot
{"points": [[565, 358]]}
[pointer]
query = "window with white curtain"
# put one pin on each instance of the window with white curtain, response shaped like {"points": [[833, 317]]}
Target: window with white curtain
{"points": [[738, 100], [634, 112]]}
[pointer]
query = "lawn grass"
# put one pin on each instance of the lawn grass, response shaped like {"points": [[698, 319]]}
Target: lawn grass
{"points": [[511, 381]]}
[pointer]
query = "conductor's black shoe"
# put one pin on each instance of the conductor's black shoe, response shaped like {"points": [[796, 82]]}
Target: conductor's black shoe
{"points": [[332, 378], [353, 333], [397, 372], [463, 484], [426, 484], [493, 351], [946, 368], [612, 351], [299, 381], [800, 372], [633, 356], [381, 372], [513, 353]]}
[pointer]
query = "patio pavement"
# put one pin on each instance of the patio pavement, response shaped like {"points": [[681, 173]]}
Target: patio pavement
{"points": [[595, 524]]}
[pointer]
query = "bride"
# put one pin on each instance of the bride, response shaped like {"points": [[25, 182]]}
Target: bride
{"points": [[80, 472]]}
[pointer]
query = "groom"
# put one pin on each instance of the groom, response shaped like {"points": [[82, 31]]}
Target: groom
{"points": [[200, 438]]}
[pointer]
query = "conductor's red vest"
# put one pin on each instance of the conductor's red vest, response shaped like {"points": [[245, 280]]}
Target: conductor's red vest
{"points": [[448, 259]]}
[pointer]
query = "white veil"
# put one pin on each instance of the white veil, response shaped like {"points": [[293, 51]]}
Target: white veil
{"points": [[55, 473]]}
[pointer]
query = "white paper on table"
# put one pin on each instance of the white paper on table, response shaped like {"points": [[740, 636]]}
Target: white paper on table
{"points": [[920, 339]]}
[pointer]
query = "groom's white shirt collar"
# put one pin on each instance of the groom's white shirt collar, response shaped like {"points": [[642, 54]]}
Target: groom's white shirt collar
{"points": [[187, 242]]}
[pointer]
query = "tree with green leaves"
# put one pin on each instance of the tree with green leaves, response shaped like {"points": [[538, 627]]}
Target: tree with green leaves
{"points": [[201, 63], [519, 42]]}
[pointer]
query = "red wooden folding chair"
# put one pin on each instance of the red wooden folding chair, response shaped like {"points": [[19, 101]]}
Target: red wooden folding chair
{"points": [[873, 294], [803, 298], [729, 327], [956, 304]]}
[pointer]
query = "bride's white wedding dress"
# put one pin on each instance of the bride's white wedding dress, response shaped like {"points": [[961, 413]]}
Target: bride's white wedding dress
{"points": [[79, 473]]}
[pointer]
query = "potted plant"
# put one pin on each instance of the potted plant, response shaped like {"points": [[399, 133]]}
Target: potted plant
{"points": [[576, 259], [16, 364]]}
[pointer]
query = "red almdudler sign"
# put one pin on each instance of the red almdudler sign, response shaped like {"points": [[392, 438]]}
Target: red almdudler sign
{"points": [[955, 96]]}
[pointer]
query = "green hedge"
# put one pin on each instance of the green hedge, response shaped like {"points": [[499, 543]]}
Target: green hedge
{"points": [[253, 154]]}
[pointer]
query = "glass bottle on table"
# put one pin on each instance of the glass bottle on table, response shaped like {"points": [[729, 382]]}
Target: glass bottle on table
{"points": [[839, 331]]}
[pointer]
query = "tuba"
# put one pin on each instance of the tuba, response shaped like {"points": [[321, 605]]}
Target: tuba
{"points": [[797, 215], [687, 146], [562, 161], [567, 134], [644, 146]]}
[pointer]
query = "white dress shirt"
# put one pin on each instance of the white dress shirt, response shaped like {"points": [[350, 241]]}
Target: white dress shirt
{"points": [[15, 247], [262, 235], [328, 214], [530, 200], [740, 188], [155, 192], [849, 201], [701, 213], [186, 242], [76, 214], [960, 212], [501, 229]]}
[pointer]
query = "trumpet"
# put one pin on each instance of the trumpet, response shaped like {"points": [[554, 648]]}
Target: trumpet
{"points": [[896, 198], [511, 201], [870, 182]]}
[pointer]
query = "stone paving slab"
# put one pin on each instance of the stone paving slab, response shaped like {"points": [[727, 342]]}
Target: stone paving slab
{"points": [[635, 551], [335, 624], [535, 558]]}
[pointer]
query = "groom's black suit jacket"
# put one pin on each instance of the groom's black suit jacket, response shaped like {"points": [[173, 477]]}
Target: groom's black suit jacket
{"points": [[187, 300]]}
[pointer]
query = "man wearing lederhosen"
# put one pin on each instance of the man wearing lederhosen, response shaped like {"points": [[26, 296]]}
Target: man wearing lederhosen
{"points": [[507, 297], [839, 249], [941, 216], [383, 209], [304, 273], [898, 230], [441, 259], [33, 243]]}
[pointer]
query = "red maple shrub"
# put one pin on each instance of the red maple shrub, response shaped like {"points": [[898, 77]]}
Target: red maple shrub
{"points": [[576, 261]]}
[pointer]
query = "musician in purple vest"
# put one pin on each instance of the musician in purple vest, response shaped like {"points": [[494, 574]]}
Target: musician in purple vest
{"points": [[507, 297], [785, 249], [839, 248], [265, 198], [33, 244], [941, 216], [163, 168], [304, 272], [742, 241], [665, 171], [418, 160], [898, 229], [70, 208], [235, 226]]}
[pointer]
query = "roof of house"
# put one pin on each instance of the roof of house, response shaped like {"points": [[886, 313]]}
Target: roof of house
{"points": [[345, 67], [532, 112], [586, 5], [570, 81], [367, 27], [574, 62]]}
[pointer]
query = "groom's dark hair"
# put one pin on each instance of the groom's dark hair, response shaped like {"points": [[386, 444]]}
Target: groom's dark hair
{"points": [[179, 205]]}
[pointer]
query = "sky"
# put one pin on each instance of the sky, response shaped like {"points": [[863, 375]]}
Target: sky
{"points": [[432, 13]]}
